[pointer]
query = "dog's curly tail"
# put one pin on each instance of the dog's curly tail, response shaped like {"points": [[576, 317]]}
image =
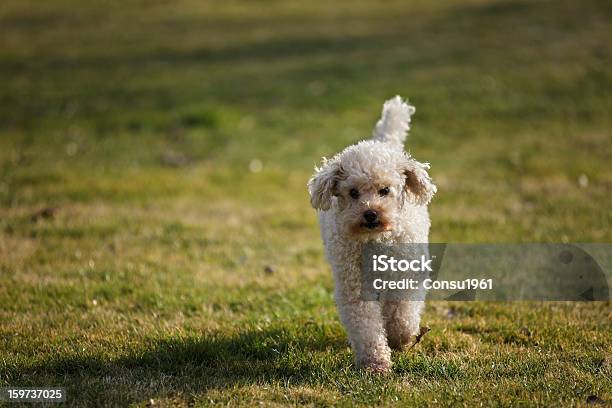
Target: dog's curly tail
{"points": [[394, 123]]}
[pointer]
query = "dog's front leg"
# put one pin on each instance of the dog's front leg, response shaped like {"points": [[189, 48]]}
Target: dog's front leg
{"points": [[365, 327]]}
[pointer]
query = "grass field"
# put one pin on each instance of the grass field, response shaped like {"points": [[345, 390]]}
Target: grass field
{"points": [[156, 240]]}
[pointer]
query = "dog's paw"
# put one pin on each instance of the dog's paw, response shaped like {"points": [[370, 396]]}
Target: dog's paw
{"points": [[378, 365], [399, 334], [399, 340], [406, 340]]}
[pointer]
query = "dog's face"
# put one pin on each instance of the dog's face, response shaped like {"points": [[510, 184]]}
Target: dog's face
{"points": [[368, 203], [368, 184]]}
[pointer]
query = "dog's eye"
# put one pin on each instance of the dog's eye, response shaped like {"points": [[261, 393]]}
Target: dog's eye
{"points": [[383, 191], [354, 193]]}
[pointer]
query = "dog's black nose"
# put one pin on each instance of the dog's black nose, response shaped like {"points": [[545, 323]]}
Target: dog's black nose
{"points": [[370, 216]]}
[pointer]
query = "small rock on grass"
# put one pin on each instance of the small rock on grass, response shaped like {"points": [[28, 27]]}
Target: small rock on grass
{"points": [[594, 400], [44, 213]]}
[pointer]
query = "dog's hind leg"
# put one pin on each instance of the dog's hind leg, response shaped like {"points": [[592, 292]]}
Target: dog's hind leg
{"points": [[402, 319]]}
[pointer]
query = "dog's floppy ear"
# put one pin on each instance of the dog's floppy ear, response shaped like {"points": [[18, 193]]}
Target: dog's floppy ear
{"points": [[418, 186], [322, 184]]}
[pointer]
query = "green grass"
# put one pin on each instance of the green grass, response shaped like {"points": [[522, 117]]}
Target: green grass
{"points": [[138, 122]]}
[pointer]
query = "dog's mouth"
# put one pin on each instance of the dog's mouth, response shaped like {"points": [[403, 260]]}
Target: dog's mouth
{"points": [[371, 225], [364, 227]]}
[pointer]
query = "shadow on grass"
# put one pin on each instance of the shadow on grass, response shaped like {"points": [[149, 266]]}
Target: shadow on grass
{"points": [[188, 367]]}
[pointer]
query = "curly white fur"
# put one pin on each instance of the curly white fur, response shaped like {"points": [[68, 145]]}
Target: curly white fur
{"points": [[394, 122], [374, 176]]}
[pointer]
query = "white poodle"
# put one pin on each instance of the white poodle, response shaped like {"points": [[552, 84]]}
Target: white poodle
{"points": [[373, 192]]}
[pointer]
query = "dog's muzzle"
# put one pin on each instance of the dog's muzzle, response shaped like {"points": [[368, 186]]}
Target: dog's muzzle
{"points": [[371, 219]]}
